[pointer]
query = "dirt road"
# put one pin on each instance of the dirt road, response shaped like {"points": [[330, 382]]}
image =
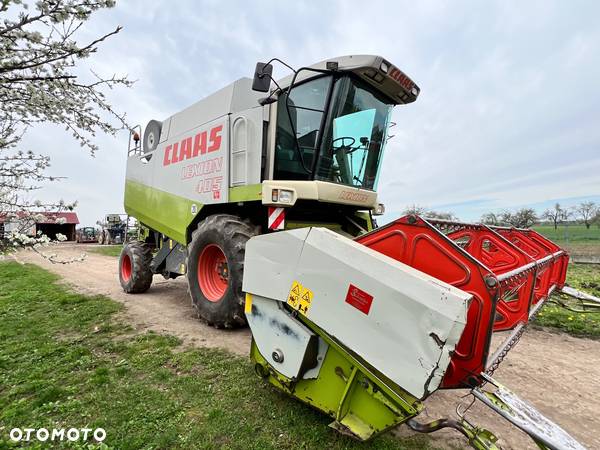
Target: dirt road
{"points": [[559, 374]]}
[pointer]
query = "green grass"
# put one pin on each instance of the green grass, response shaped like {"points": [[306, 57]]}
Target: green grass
{"points": [[585, 277], [67, 360], [575, 239], [107, 250], [570, 233]]}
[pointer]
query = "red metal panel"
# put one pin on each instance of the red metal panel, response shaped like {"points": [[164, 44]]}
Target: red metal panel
{"points": [[506, 270], [551, 259], [502, 258]]}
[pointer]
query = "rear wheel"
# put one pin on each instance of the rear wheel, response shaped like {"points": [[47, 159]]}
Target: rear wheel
{"points": [[215, 269], [134, 267]]}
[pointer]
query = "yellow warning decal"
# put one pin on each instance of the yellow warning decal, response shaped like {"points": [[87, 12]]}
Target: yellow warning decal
{"points": [[300, 297], [248, 304]]}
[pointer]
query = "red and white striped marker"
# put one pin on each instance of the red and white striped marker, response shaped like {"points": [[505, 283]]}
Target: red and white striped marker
{"points": [[276, 218]]}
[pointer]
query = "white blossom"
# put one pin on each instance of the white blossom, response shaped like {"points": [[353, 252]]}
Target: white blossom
{"points": [[41, 46]]}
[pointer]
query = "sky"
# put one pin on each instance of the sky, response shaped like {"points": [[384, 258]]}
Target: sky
{"points": [[508, 115]]}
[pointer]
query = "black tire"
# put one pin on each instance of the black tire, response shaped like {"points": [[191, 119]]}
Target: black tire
{"points": [[221, 309], [152, 135], [134, 267]]}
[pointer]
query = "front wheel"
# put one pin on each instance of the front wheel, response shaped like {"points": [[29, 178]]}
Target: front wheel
{"points": [[135, 274], [215, 269]]}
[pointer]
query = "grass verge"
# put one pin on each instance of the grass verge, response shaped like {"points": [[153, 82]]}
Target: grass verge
{"points": [[107, 250], [67, 361], [570, 233], [585, 277]]}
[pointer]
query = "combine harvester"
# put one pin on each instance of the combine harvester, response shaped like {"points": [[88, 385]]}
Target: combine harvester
{"points": [[263, 196]]}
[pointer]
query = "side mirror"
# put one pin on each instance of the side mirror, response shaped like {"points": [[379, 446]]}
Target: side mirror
{"points": [[262, 77]]}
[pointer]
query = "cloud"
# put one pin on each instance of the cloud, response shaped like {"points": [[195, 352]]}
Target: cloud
{"points": [[508, 113]]}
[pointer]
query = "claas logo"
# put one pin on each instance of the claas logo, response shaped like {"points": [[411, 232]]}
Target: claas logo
{"points": [[190, 147], [403, 80]]}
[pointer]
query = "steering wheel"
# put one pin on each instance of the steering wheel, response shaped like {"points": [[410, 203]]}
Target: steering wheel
{"points": [[343, 142]]}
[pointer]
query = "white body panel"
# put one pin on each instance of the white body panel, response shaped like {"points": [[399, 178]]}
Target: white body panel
{"points": [[411, 324], [246, 147], [196, 146], [203, 178], [236, 97]]}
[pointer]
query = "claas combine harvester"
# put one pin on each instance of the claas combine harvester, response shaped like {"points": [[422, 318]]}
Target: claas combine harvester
{"points": [[263, 196]]}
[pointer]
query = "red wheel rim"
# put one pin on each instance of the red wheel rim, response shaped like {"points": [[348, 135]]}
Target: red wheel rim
{"points": [[126, 267], [213, 273]]}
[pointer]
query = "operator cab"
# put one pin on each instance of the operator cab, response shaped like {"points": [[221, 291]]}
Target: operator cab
{"points": [[349, 147], [332, 120]]}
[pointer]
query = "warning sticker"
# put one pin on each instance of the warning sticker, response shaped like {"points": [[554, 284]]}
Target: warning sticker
{"points": [[358, 298], [300, 298]]}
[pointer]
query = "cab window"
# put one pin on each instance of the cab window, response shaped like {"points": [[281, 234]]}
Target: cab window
{"points": [[303, 116]]}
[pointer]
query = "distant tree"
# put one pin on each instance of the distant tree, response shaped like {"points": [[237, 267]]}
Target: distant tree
{"points": [[442, 215], [521, 218], [587, 212], [424, 212], [414, 209], [524, 218], [490, 219], [506, 218], [556, 215]]}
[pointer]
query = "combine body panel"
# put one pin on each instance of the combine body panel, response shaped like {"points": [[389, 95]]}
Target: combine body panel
{"points": [[399, 324], [402, 321], [203, 150]]}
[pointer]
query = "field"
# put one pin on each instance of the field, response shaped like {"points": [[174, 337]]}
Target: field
{"points": [[68, 360], [576, 239], [570, 233]]}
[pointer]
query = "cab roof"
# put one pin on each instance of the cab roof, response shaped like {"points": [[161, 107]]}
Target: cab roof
{"points": [[375, 70]]}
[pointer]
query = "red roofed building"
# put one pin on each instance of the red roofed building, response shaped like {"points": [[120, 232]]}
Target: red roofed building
{"points": [[48, 223]]}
